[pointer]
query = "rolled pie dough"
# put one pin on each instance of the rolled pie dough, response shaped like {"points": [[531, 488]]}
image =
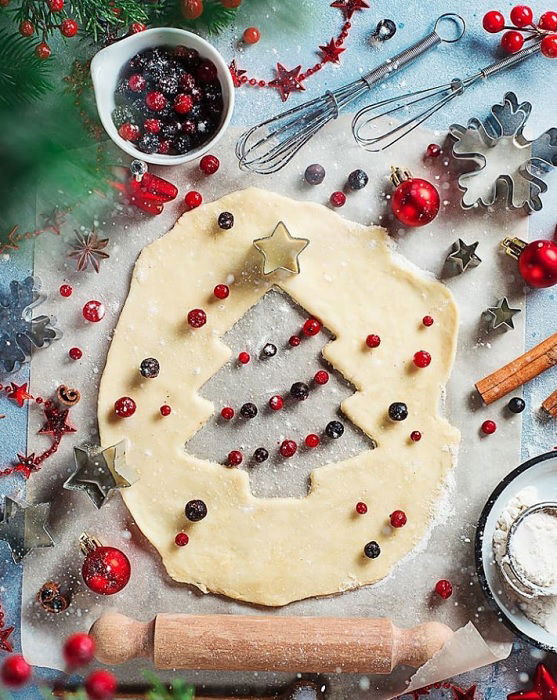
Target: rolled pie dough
{"points": [[273, 551]]}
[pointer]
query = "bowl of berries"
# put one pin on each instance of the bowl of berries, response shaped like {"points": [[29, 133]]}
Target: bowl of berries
{"points": [[164, 95]]}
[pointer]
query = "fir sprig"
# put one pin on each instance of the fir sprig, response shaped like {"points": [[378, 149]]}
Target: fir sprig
{"points": [[23, 77], [179, 689], [215, 17]]}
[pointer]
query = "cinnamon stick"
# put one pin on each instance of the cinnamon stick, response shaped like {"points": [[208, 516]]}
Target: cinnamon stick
{"points": [[550, 405], [519, 371]]}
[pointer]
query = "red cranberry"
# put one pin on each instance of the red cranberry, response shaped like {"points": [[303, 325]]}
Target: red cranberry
{"points": [[433, 150], [311, 327], [101, 685], [338, 199], [124, 407], [422, 358], [79, 650], [155, 100], [165, 410], [187, 81], [312, 440], [209, 164], [93, 311], [193, 199], [197, 318], [444, 588], [227, 413], [321, 377], [181, 539], [489, 427], [373, 341], [361, 508], [189, 126], [244, 358], [288, 448], [69, 27], [428, 321], [66, 290], [276, 403], [294, 341], [183, 103], [548, 21], [549, 46], [75, 353], [398, 518], [43, 50], [15, 671], [221, 291], [164, 146], [153, 126], [512, 42], [26, 28], [129, 132], [415, 436], [207, 71], [235, 458], [56, 5], [137, 82]]}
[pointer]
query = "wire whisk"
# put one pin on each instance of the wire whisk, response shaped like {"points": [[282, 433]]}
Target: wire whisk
{"points": [[269, 146], [432, 99]]}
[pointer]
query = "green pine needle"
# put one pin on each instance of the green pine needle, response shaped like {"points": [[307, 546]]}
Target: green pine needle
{"points": [[23, 76]]}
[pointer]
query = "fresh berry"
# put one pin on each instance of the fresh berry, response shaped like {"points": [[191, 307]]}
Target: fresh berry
{"points": [[373, 341], [225, 220], [165, 410], [129, 132], [221, 291], [183, 103], [288, 448], [299, 391], [312, 440], [398, 518], [549, 46], [209, 164], [415, 436], [314, 174], [124, 407], [276, 403], [197, 318], [433, 150], [372, 550], [361, 508], [69, 27], [248, 410], [153, 126], [56, 5], [207, 71], [235, 458], [260, 455], [187, 81], [189, 126], [251, 35], [137, 27], [522, 16], [357, 180], [149, 143], [548, 21], [422, 358], [192, 199], [78, 650], [15, 671], [93, 311], [182, 144], [155, 100], [101, 685], [169, 84], [398, 411], [493, 22], [43, 50], [311, 327], [164, 146], [195, 510], [244, 358], [227, 413], [516, 405], [428, 321], [66, 290], [170, 129], [137, 83], [489, 427], [444, 589], [269, 350], [321, 377], [181, 539], [294, 341], [75, 353], [26, 28], [334, 429], [338, 199], [512, 42], [149, 368]]}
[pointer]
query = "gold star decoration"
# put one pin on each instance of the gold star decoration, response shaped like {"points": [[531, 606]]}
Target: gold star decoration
{"points": [[281, 250]]}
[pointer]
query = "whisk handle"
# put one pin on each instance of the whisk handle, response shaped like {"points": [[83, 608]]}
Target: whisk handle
{"points": [[402, 59], [509, 61]]}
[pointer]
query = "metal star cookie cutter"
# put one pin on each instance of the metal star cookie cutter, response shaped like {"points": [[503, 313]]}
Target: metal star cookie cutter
{"points": [[502, 314], [526, 162], [463, 255], [281, 250], [23, 527]]}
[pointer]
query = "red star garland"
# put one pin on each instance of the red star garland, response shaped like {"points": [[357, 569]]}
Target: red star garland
{"points": [[331, 52], [26, 465], [348, 7], [287, 81], [56, 421], [544, 688], [5, 644], [236, 73], [18, 394], [460, 694]]}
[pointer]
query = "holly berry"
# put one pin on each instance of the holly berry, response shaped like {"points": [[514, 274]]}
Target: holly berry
{"points": [[124, 407], [129, 132], [56, 5], [101, 685], [321, 377], [75, 353], [155, 100], [137, 27], [428, 321], [311, 327], [192, 9], [183, 103], [227, 413], [337, 199], [93, 311], [244, 358], [15, 671], [489, 427], [372, 550], [294, 341], [444, 589], [197, 318], [276, 403], [251, 35], [548, 21], [69, 27], [193, 199], [78, 650], [235, 458], [361, 508], [209, 164], [181, 539], [165, 410], [26, 28], [433, 150], [221, 291], [398, 518], [493, 22], [373, 341], [415, 436], [422, 358], [288, 448], [43, 50], [137, 83], [512, 42], [312, 441], [549, 46], [522, 16], [195, 510], [66, 290]]}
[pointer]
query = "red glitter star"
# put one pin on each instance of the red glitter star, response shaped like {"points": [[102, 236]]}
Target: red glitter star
{"points": [[5, 644], [236, 73], [19, 394], [56, 422], [348, 7], [26, 465], [460, 694], [287, 81], [330, 52], [545, 687]]}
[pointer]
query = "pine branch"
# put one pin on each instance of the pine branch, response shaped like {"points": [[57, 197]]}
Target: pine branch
{"points": [[215, 17], [23, 77]]}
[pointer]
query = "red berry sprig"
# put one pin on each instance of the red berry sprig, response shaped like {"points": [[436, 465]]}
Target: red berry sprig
{"points": [[523, 29]]}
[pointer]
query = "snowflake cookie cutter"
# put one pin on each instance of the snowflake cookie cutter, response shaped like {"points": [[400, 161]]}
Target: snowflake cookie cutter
{"points": [[518, 177], [20, 331]]}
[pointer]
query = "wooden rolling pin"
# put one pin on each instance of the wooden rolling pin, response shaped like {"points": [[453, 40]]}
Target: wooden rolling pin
{"points": [[262, 643]]}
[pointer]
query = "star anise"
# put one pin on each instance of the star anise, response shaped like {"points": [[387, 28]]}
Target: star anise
{"points": [[88, 249]]}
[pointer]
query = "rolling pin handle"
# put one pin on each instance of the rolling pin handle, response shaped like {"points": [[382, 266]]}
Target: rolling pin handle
{"points": [[414, 646], [119, 638]]}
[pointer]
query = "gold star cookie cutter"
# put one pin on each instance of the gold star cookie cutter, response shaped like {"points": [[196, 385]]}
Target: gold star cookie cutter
{"points": [[281, 250]]}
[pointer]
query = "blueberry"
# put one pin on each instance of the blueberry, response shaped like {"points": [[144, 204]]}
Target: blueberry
{"points": [[195, 510], [357, 179], [248, 410], [260, 455], [181, 144], [226, 220], [314, 174], [398, 411], [168, 84], [299, 391], [372, 550], [334, 429], [149, 368]]}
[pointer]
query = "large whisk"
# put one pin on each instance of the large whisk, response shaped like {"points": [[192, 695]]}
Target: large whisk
{"points": [[269, 146], [429, 97]]}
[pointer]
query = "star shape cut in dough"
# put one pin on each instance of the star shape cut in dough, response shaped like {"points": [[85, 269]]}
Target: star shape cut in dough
{"points": [[281, 250], [464, 256], [23, 527], [502, 314], [100, 471]]}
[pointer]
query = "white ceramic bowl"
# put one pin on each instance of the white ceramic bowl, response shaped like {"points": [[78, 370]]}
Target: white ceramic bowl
{"points": [[105, 71]]}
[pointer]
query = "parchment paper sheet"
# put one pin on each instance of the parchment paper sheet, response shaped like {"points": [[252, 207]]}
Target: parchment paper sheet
{"points": [[406, 596]]}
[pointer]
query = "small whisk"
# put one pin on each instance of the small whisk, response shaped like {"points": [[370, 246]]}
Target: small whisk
{"points": [[434, 99], [269, 146]]}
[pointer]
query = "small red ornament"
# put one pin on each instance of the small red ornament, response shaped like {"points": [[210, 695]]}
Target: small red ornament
{"points": [[276, 403], [544, 686], [330, 52], [181, 539], [124, 407], [221, 291], [227, 413], [251, 35], [193, 199], [549, 46], [288, 448], [373, 341], [398, 518], [548, 21], [294, 341], [512, 42], [79, 650], [209, 164], [321, 377], [287, 81], [537, 261], [106, 570], [155, 100], [165, 410], [69, 27], [15, 671], [489, 427], [43, 50], [427, 321], [338, 199], [244, 358], [433, 150], [444, 589], [312, 440], [26, 28], [66, 290], [235, 458], [493, 22], [101, 685], [197, 318], [415, 202], [361, 508], [183, 103], [56, 5], [415, 436], [93, 311], [75, 353], [422, 359], [522, 16], [19, 393], [311, 327]]}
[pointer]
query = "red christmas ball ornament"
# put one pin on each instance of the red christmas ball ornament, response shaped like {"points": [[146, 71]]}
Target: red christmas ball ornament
{"points": [[15, 671], [493, 22], [522, 16], [415, 202], [537, 261], [101, 685], [106, 570], [79, 650]]}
